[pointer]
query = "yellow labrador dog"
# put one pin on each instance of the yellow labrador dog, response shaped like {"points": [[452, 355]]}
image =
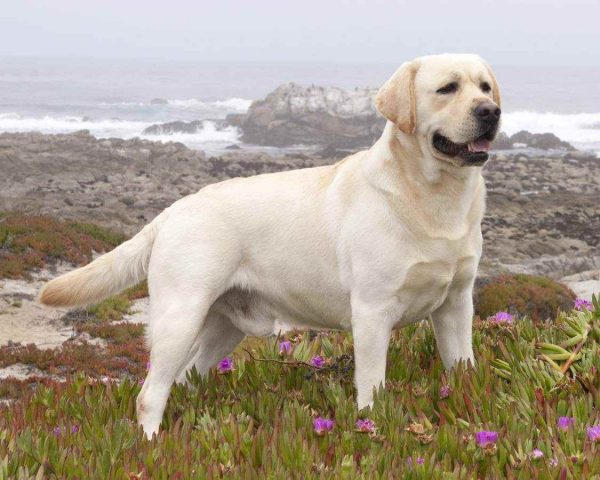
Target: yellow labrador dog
{"points": [[382, 239]]}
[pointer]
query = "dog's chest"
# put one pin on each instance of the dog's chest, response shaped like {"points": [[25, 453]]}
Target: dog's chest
{"points": [[428, 279]]}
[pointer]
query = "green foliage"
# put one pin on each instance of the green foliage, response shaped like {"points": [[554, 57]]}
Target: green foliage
{"points": [[28, 242], [256, 421], [536, 297]]}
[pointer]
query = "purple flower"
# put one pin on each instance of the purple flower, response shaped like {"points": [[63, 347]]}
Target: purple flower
{"points": [[365, 425], [317, 361], [581, 303], [57, 431], [225, 365], [409, 461], [593, 433], [501, 317], [444, 391], [148, 364], [565, 422], [285, 347], [537, 453], [74, 429], [420, 460], [141, 381], [486, 438], [322, 425], [553, 462]]}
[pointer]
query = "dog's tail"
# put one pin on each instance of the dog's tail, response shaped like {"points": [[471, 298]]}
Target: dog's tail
{"points": [[109, 274]]}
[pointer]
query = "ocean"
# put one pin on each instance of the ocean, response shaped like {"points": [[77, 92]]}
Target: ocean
{"points": [[113, 98]]}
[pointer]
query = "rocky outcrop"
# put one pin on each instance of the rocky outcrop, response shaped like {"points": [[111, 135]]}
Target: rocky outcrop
{"points": [[182, 127], [543, 141], [326, 116]]}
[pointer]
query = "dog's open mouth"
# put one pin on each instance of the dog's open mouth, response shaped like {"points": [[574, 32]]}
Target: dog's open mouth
{"points": [[472, 153]]}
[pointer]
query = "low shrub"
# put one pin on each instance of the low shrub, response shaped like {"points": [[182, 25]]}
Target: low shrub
{"points": [[28, 242], [525, 295]]}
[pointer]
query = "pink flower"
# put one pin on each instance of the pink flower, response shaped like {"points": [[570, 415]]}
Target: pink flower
{"points": [[420, 460], [322, 425], [445, 391], [581, 303], [593, 433], [564, 423], [365, 425], [225, 365], [317, 361], [486, 438], [553, 462], [537, 453], [285, 347], [501, 317]]}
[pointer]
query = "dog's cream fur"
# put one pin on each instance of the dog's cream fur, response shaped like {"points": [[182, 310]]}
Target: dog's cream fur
{"points": [[384, 238]]}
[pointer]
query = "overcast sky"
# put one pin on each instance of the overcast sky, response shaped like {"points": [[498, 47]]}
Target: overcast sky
{"points": [[507, 32]]}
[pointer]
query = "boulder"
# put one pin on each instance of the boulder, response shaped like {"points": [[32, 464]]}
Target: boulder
{"points": [[326, 116], [543, 141]]}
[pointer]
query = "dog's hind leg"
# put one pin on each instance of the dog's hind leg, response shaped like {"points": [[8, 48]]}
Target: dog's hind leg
{"points": [[218, 337], [172, 336]]}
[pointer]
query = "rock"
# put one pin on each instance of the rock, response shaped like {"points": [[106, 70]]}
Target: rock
{"points": [[182, 127], [293, 115], [233, 147], [159, 101], [502, 142], [544, 141]]}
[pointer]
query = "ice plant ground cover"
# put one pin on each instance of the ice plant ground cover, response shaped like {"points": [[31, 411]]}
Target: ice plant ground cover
{"points": [[258, 420]]}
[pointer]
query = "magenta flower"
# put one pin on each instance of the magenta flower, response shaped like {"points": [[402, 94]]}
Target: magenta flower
{"points": [[486, 438], [285, 347], [593, 433], [225, 365], [581, 303], [444, 391], [537, 453], [148, 364], [420, 460], [365, 425], [317, 361], [57, 431], [564, 423], [322, 425], [74, 429], [501, 317]]}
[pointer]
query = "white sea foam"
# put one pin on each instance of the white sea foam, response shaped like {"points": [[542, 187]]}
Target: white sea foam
{"points": [[231, 105], [208, 134], [234, 104]]}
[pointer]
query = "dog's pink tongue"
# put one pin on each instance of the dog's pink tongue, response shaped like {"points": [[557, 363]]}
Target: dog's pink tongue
{"points": [[481, 145]]}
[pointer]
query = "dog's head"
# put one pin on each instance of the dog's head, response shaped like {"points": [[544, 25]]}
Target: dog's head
{"points": [[450, 102]]}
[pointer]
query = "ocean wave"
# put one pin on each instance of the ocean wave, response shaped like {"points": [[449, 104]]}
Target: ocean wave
{"points": [[230, 105], [207, 133], [104, 128]]}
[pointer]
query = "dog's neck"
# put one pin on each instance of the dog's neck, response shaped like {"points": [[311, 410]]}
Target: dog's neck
{"points": [[447, 194]]}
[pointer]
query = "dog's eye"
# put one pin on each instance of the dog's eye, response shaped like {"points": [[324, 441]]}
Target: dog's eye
{"points": [[485, 87], [449, 88]]}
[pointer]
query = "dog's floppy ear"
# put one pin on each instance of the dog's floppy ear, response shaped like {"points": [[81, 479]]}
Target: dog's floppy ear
{"points": [[396, 99], [495, 87]]}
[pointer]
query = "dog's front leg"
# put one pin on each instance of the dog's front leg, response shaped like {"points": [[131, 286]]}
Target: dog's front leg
{"points": [[371, 337], [452, 325]]}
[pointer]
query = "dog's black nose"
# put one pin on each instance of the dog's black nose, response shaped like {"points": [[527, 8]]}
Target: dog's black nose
{"points": [[488, 112]]}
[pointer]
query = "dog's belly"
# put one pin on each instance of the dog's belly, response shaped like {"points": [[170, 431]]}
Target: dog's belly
{"points": [[258, 314]]}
